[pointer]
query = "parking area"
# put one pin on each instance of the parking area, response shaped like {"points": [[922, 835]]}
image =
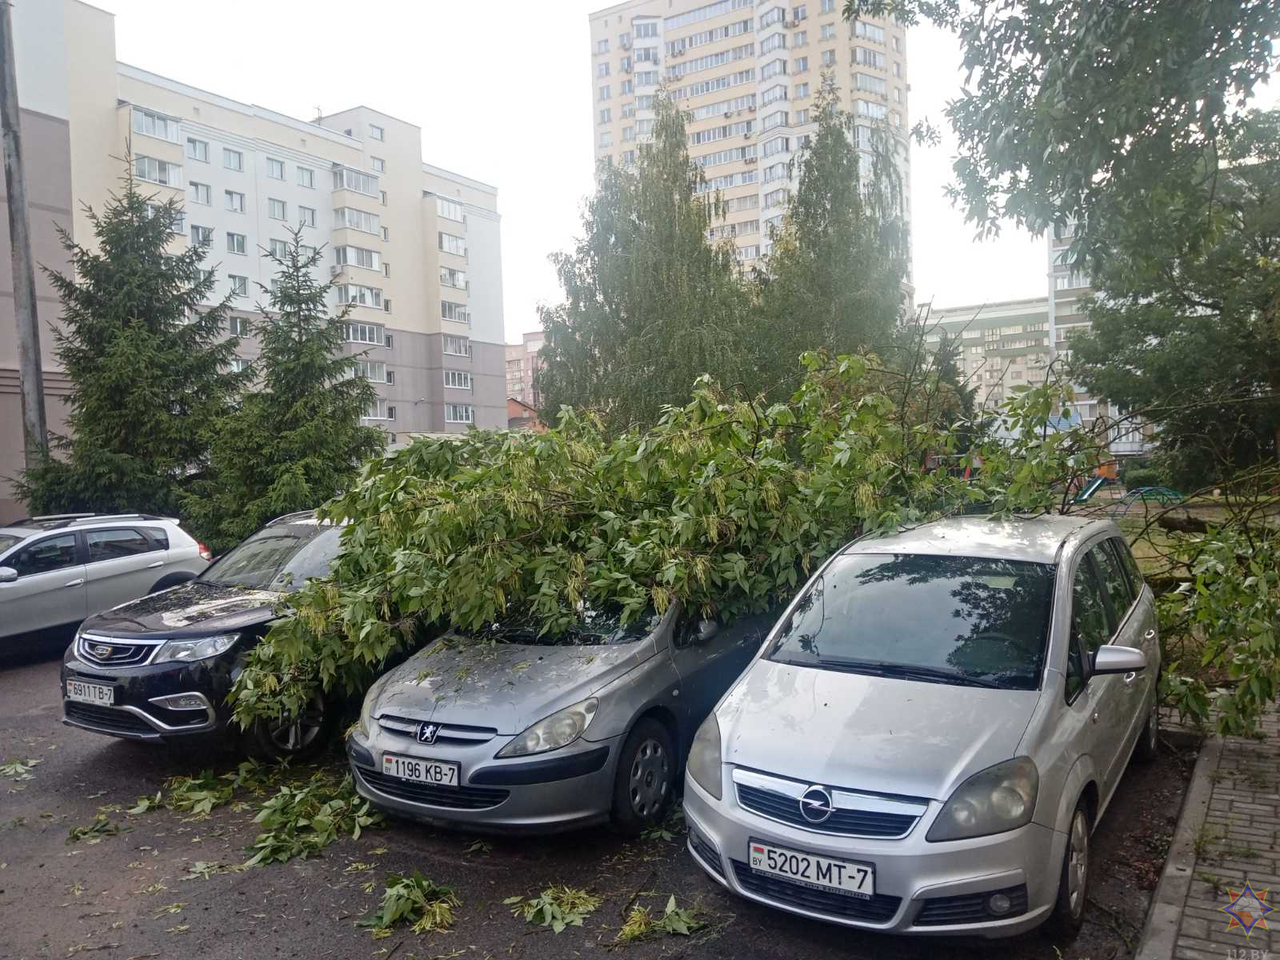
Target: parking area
{"points": [[156, 890]]}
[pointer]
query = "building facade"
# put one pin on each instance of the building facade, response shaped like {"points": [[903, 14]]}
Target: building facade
{"points": [[746, 72], [1001, 346], [413, 249], [522, 369]]}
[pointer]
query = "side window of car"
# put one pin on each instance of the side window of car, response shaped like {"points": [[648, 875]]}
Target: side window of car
{"points": [[116, 544], [158, 536], [1089, 626], [1114, 579], [45, 556], [1128, 562]]}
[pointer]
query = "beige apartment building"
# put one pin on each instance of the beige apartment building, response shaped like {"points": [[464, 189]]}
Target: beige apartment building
{"points": [[746, 72], [1002, 346], [413, 248]]}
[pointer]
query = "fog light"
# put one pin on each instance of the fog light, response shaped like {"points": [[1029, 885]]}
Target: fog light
{"points": [[182, 701], [998, 904]]}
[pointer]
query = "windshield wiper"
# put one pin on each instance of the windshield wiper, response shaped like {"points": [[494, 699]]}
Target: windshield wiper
{"points": [[907, 671]]}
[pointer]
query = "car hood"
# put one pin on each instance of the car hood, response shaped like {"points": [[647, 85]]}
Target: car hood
{"points": [[192, 609], [458, 680], [879, 734]]}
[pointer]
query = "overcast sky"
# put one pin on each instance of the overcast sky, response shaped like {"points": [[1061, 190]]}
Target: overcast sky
{"points": [[502, 91]]}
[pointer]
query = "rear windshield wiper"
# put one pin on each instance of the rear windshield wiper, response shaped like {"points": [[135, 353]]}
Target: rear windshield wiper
{"points": [[907, 671]]}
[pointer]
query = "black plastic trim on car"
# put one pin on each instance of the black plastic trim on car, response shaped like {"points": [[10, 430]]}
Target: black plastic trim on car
{"points": [[970, 908], [359, 754], [542, 771], [704, 850]]}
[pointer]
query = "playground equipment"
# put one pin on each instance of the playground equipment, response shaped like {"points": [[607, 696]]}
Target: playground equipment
{"points": [[1144, 494]]}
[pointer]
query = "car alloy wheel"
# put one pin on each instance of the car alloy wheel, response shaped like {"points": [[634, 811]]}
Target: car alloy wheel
{"points": [[294, 735], [1078, 864], [649, 779]]}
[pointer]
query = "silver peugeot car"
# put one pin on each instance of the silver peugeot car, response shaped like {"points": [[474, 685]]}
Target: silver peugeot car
{"points": [[508, 731], [932, 730]]}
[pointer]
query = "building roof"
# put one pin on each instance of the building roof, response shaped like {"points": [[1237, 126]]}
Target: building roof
{"points": [[1035, 539]]}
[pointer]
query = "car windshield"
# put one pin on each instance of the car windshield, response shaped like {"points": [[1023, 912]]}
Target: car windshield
{"points": [[964, 620], [280, 558], [595, 628], [7, 540]]}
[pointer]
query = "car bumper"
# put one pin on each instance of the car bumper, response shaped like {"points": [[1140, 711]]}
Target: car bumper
{"points": [[135, 714], [909, 873], [562, 790]]}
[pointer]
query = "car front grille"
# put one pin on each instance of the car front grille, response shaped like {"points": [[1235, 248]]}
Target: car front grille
{"points": [[107, 718], [851, 823], [880, 908], [454, 798], [970, 908], [448, 733], [114, 652]]}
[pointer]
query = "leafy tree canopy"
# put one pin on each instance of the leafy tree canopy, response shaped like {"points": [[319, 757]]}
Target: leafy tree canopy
{"points": [[148, 365]]}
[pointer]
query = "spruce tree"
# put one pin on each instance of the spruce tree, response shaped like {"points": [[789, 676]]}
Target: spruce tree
{"points": [[295, 439], [148, 365]]}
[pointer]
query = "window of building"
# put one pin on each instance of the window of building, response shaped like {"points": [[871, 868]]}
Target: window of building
{"points": [[457, 346], [378, 410], [772, 16], [275, 169], [452, 244], [238, 326], [235, 242], [453, 278], [799, 13], [372, 333], [774, 68], [868, 31], [602, 69], [357, 257], [647, 78], [344, 178], [801, 65], [602, 46], [450, 209], [777, 145], [278, 248], [458, 379], [307, 216], [605, 93], [776, 171], [800, 38], [359, 294], [606, 115], [628, 110], [201, 193], [232, 159], [627, 87], [198, 149], [897, 44], [306, 177], [356, 220], [897, 69], [239, 285], [828, 58], [777, 41], [155, 125], [606, 138], [459, 413], [776, 119], [201, 236], [775, 198], [866, 57], [235, 201], [802, 116], [376, 132], [375, 371], [378, 165], [828, 31], [277, 209], [802, 90], [457, 312], [775, 93], [865, 108], [157, 171], [869, 84]]}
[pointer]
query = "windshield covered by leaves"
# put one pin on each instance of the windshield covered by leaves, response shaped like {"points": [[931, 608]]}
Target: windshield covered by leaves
{"points": [[280, 558], [965, 620], [595, 627]]}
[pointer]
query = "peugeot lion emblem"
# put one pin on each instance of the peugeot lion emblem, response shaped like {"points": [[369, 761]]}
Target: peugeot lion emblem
{"points": [[427, 732], [816, 805]]}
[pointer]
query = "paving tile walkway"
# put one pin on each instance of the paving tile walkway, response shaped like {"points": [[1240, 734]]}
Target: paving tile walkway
{"points": [[1228, 836]]}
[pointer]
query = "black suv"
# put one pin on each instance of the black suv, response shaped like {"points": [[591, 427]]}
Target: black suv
{"points": [[160, 667]]}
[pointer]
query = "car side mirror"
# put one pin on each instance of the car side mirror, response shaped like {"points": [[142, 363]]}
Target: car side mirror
{"points": [[707, 629], [8, 574], [1113, 659]]}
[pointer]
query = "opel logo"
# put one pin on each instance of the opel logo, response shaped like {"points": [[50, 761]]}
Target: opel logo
{"points": [[816, 805], [427, 732]]}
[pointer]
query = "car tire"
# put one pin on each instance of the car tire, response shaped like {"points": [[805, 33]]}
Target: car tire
{"points": [[645, 779], [1073, 879], [301, 740], [1148, 744]]}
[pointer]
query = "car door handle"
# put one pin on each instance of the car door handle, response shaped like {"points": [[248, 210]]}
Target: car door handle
{"points": [[158, 563], [75, 583], [1150, 634], [1130, 677]]}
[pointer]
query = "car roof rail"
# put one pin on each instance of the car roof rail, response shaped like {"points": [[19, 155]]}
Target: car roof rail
{"points": [[296, 515], [54, 521]]}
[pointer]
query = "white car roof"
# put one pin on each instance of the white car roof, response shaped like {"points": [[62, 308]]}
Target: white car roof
{"points": [[1034, 539]]}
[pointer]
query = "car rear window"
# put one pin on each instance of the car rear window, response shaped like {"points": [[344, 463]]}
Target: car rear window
{"points": [[159, 535], [7, 540], [969, 620]]}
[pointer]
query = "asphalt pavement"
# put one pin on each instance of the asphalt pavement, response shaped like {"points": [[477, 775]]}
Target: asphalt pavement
{"points": [[133, 895]]}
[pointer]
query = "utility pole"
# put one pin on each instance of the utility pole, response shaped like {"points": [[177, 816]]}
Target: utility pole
{"points": [[30, 377]]}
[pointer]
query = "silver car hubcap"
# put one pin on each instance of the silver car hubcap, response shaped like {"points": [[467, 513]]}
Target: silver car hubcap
{"points": [[1078, 864], [649, 775], [298, 733]]}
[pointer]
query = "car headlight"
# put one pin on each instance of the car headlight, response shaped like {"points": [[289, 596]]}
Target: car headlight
{"points": [[553, 732], [186, 651], [704, 756], [993, 800]]}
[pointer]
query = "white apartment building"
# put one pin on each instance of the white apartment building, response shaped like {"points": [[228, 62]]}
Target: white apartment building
{"points": [[746, 72], [415, 249], [1003, 346]]}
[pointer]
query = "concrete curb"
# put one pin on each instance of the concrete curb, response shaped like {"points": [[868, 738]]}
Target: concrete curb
{"points": [[1160, 934]]}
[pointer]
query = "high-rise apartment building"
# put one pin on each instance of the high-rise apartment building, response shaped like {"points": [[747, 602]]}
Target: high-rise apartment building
{"points": [[412, 248], [1002, 346], [746, 72], [522, 369]]}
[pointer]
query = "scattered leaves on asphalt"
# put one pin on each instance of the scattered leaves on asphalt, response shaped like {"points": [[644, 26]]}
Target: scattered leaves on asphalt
{"points": [[555, 907], [95, 832], [18, 769], [414, 899], [675, 921]]}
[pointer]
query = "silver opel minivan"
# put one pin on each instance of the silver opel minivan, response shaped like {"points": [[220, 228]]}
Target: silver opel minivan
{"points": [[932, 729]]}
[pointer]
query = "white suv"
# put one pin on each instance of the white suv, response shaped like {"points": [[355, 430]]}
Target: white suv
{"points": [[55, 571]]}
